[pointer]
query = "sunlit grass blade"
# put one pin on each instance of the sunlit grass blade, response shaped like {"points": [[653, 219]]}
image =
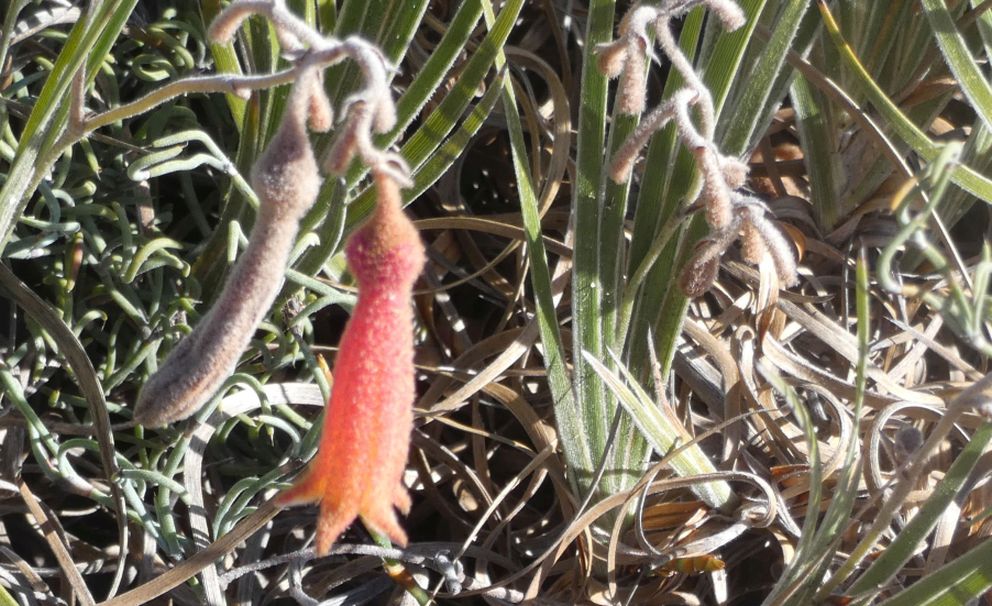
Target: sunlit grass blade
{"points": [[429, 77], [906, 543], [814, 119], [663, 432], [974, 84], [586, 423], [954, 584], [88, 43], [226, 62], [540, 274], [793, 588], [964, 176], [444, 156], [750, 106]]}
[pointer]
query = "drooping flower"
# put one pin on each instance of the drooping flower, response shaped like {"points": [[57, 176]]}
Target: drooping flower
{"points": [[367, 423]]}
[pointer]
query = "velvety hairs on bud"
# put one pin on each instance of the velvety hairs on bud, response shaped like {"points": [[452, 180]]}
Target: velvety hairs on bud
{"points": [[611, 57], [353, 136], [286, 177], [633, 91], [626, 156], [730, 15], [753, 248], [715, 194], [727, 212], [702, 268], [734, 172], [286, 180], [228, 21], [320, 110], [700, 271], [367, 424], [783, 254], [378, 98], [781, 249], [628, 56]]}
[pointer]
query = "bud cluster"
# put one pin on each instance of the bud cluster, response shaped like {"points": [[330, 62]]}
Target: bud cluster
{"points": [[729, 213]]}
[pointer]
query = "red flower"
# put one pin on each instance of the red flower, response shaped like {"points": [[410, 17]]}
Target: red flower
{"points": [[367, 423]]}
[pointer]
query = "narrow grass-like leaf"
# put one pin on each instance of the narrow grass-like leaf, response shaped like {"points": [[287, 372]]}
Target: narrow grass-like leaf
{"points": [[974, 84], [584, 426], [225, 62], [70, 348], [816, 131], [838, 514], [429, 77], [87, 44], [906, 543], [977, 153], [6, 599], [13, 9], [540, 275], [964, 176], [792, 587], [663, 432], [419, 147], [954, 584], [749, 107]]}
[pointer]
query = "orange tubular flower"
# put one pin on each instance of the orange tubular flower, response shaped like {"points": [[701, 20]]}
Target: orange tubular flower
{"points": [[366, 437]]}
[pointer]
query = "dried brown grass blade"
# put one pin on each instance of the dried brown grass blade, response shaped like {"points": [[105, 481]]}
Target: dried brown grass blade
{"points": [[56, 540], [192, 566]]}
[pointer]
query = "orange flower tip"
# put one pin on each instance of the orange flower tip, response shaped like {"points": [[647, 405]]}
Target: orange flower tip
{"points": [[401, 500], [333, 522], [330, 526], [309, 488], [384, 521]]}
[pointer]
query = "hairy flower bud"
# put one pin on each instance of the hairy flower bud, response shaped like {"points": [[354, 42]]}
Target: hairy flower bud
{"points": [[286, 180], [700, 271], [319, 107], [611, 57], [730, 15]]}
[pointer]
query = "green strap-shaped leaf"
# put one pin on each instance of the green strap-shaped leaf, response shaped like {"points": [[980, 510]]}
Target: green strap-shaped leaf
{"points": [[584, 423], [973, 82], [964, 176], [38, 147], [546, 316], [954, 584]]}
